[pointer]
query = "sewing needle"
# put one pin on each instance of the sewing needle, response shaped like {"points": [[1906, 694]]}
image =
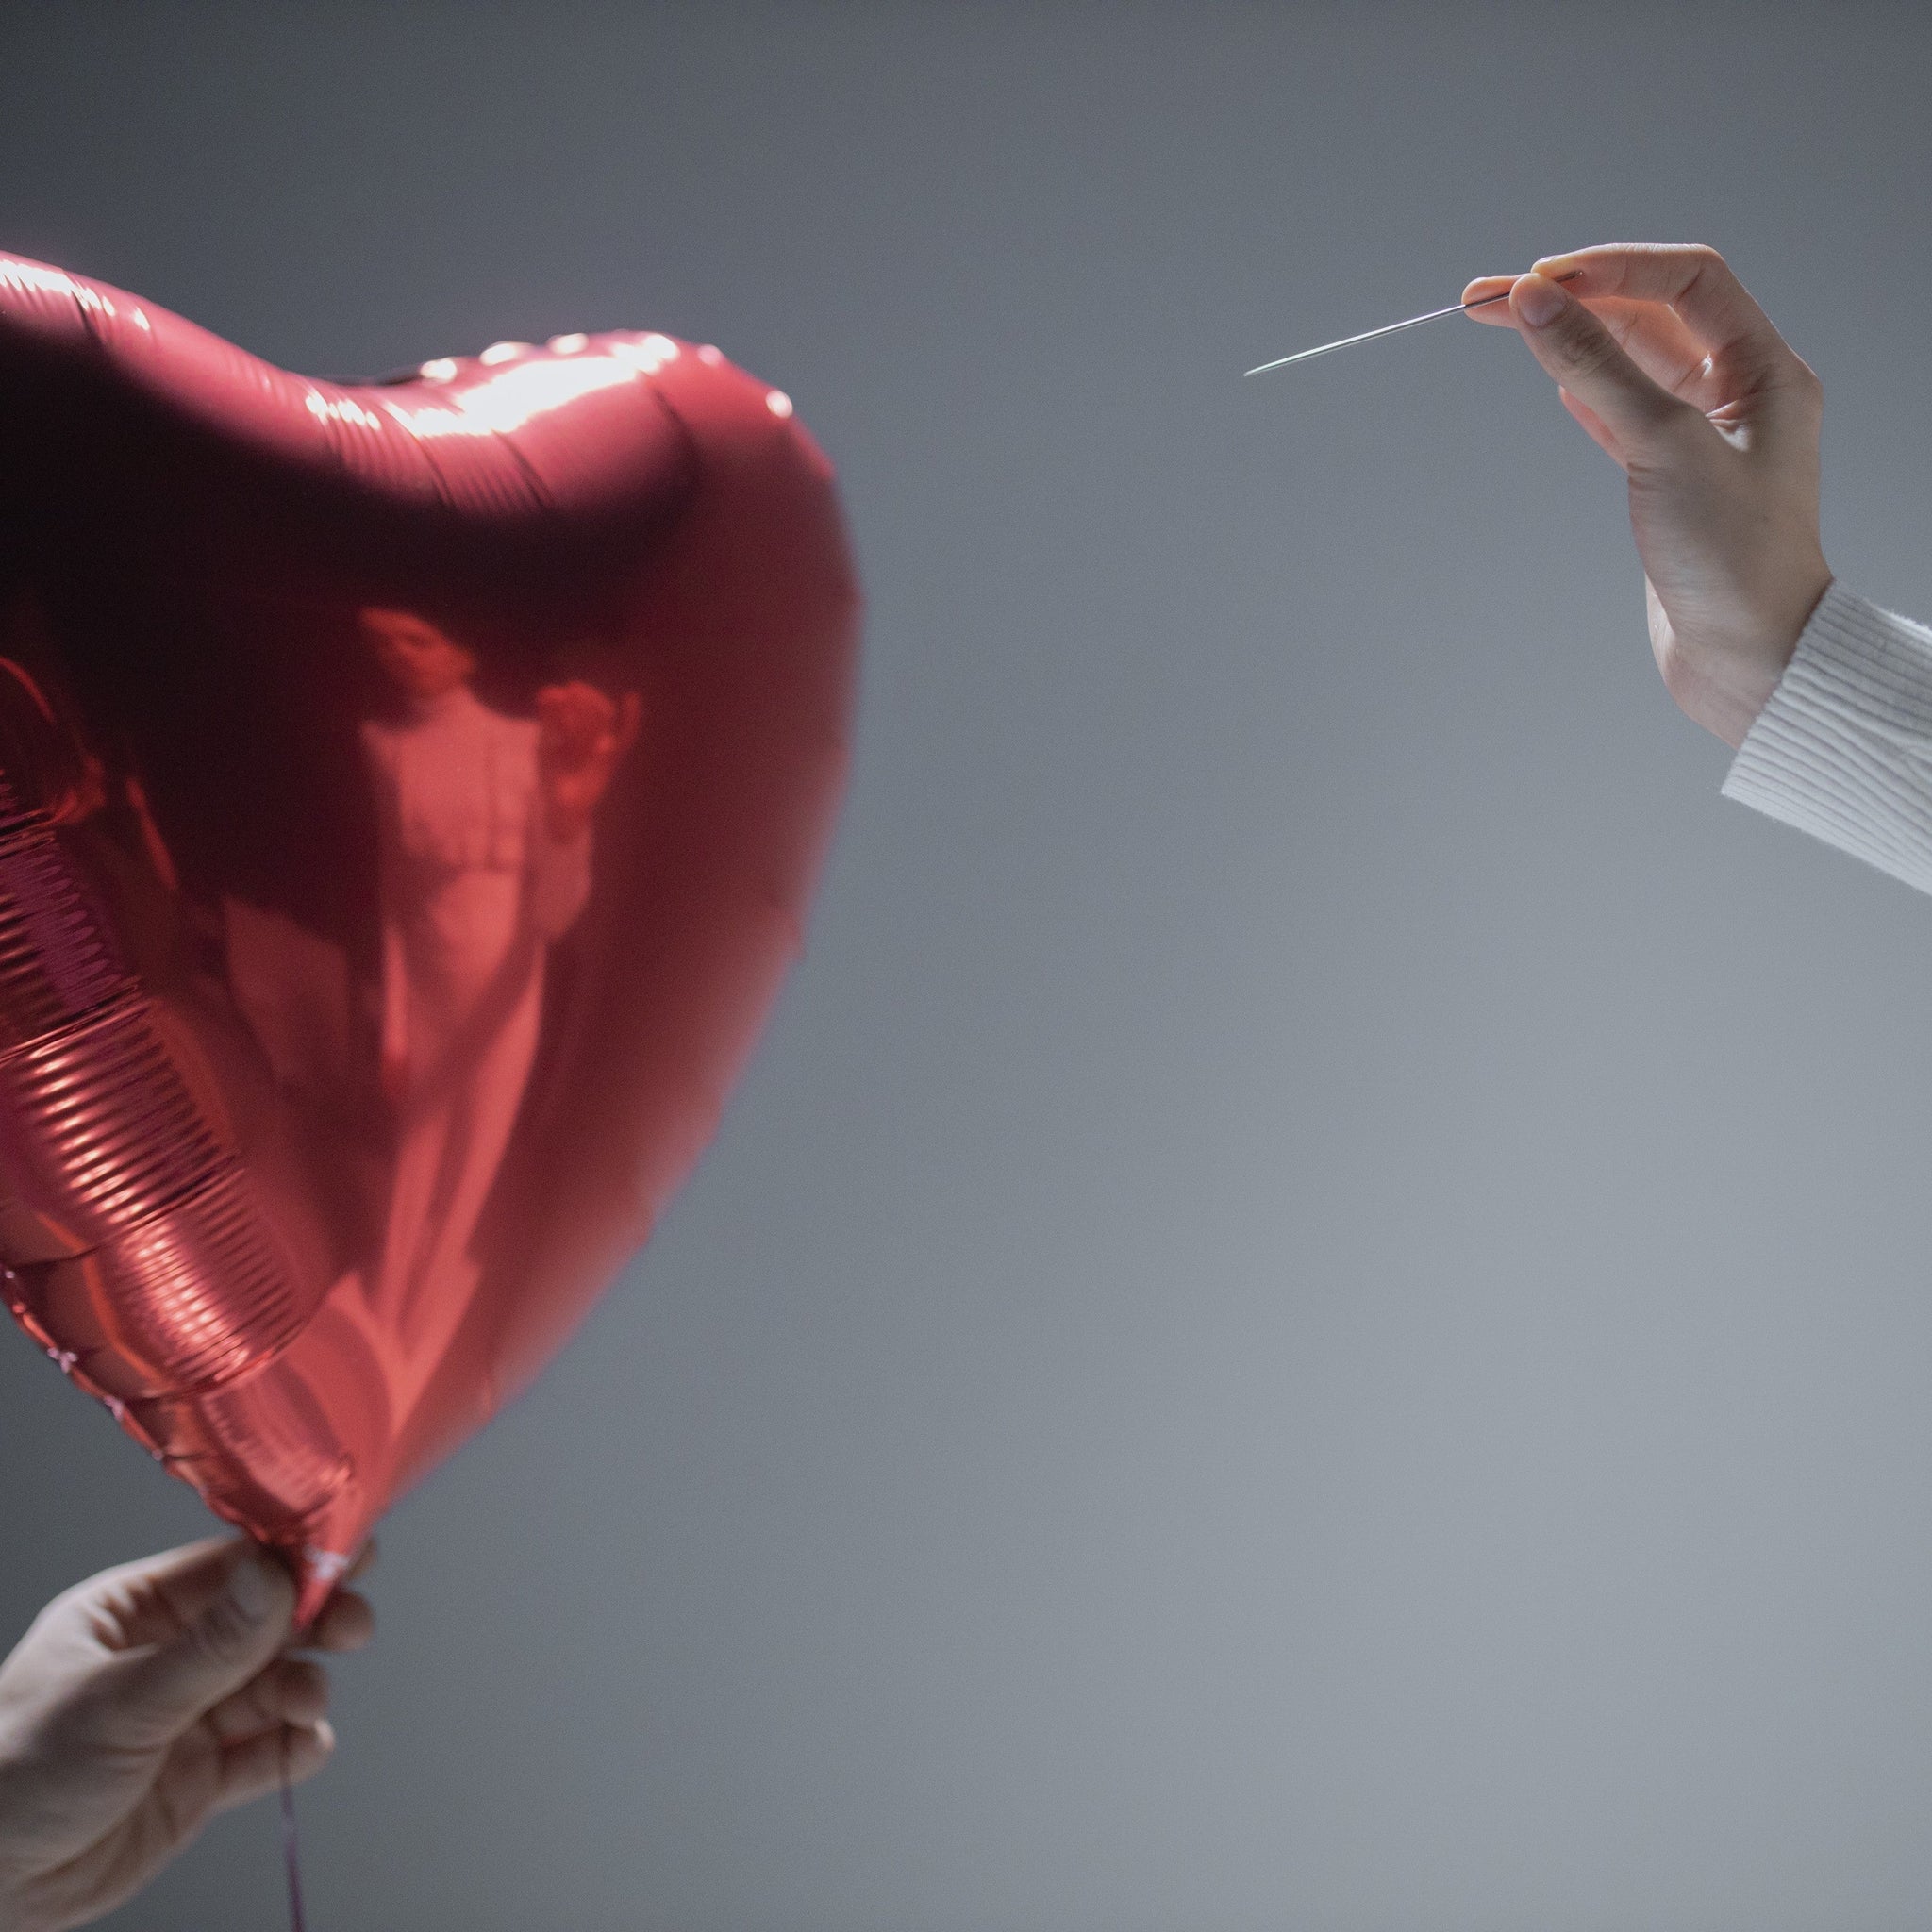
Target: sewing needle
{"points": [[1391, 328]]}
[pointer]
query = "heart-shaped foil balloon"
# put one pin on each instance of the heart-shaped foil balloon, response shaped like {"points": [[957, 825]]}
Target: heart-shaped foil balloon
{"points": [[410, 794]]}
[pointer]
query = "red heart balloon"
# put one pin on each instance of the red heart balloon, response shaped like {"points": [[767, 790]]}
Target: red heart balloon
{"points": [[410, 794]]}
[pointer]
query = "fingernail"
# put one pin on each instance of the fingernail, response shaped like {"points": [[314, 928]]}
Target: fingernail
{"points": [[251, 1589], [1539, 302]]}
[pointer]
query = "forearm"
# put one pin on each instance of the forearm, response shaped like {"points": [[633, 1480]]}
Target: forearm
{"points": [[1843, 749]]}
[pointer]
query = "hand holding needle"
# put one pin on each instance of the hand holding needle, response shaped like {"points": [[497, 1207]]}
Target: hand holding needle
{"points": [[1670, 367]]}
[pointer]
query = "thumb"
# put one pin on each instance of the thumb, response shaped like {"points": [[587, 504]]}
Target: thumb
{"points": [[1576, 348], [216, 1650]]}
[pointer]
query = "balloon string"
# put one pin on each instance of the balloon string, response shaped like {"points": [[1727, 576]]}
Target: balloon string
{"points": [[292, 1845]]}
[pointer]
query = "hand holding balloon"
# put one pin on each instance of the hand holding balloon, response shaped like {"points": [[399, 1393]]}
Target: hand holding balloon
{"points": [[1672, 368], [139, 1704]]}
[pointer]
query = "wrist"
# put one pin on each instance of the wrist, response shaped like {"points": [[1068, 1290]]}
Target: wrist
{"points": [[1774, 645], [1722, 671]]}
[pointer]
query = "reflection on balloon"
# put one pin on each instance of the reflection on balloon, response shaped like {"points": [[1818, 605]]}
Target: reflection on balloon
{"points": [[410, 795]]}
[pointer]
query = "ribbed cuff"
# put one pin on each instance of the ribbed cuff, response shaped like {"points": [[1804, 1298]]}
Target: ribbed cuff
{"points": [[1843, 750]]}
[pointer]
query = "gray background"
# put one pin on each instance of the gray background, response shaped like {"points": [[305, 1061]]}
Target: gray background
{"points": [[1317, 1312]]}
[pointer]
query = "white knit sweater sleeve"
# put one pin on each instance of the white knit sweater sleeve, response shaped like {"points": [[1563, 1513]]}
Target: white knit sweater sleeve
{"points": [[1843, 750]]}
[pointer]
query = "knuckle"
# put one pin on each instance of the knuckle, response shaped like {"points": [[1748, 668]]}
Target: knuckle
{"points": [[1707, 270], [223, 1633], [1702, 263]]}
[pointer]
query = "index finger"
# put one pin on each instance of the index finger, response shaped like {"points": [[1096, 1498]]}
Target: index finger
{"points": [[1699, 284], [1487, 299], [156, 1598]]}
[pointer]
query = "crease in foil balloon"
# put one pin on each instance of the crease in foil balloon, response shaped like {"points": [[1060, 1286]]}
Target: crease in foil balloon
{"points": [[410, 798]]}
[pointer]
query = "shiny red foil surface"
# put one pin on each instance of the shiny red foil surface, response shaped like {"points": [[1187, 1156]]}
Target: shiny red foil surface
{"points": [[410, 797]]}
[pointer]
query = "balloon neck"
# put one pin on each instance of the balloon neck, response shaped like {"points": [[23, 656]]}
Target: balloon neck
{"points": [[317, 1572]]}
